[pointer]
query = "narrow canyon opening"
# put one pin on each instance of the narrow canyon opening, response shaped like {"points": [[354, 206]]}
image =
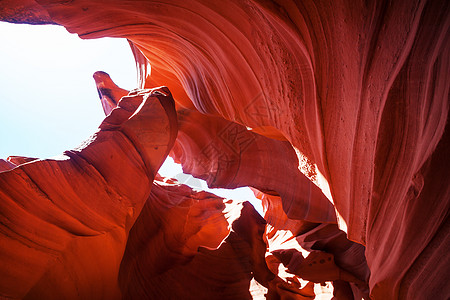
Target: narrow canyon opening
{"points": [[59, 107]]}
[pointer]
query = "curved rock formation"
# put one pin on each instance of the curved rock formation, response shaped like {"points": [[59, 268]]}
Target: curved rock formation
{"points": [[359, 91], [226, 154], [65, 221], [314, 252], [171, 251]]}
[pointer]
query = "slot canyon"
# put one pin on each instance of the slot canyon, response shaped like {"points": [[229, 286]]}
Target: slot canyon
{"points": [[334, 113]]}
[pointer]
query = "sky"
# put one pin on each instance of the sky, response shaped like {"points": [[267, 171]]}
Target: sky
{"points": [[48, 98]]}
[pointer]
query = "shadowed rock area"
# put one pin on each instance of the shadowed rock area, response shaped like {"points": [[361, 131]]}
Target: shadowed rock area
{"points": [[334, 112]]}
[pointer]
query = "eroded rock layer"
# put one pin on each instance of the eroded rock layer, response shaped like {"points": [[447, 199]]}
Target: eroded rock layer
{"points": [[226, 154], [65, 221], [354, 95], [175, 249]]}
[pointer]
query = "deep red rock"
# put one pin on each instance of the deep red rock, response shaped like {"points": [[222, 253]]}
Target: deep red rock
{"points": [[65, 221]]}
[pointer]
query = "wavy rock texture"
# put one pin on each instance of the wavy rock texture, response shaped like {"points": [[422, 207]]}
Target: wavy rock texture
{"points": [[316, 252], [360, 91], [178, 238], [171, 251], [65, 221], [226, 154]]}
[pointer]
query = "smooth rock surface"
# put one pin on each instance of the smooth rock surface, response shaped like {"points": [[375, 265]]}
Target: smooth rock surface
{"points": [[65, 221]]}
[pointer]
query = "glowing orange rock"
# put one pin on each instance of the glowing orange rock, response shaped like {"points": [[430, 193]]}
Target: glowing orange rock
{"points": [[226, 154], [171, 251], [212, 244], [312, 251], [359, 89]]}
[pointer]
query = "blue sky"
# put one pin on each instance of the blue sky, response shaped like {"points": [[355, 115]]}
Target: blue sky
{"points": [[48, 98]]}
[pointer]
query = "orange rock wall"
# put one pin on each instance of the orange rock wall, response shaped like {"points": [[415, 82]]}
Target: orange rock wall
{"points": [[360, 90], [171, 250]]}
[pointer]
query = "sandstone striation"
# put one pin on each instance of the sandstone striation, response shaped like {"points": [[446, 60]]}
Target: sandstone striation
{"points": [[192, 245], [65, 221], [337, 111]]}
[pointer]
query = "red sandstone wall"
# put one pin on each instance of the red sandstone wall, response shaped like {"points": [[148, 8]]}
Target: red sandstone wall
{"points": [[360, 90]]}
